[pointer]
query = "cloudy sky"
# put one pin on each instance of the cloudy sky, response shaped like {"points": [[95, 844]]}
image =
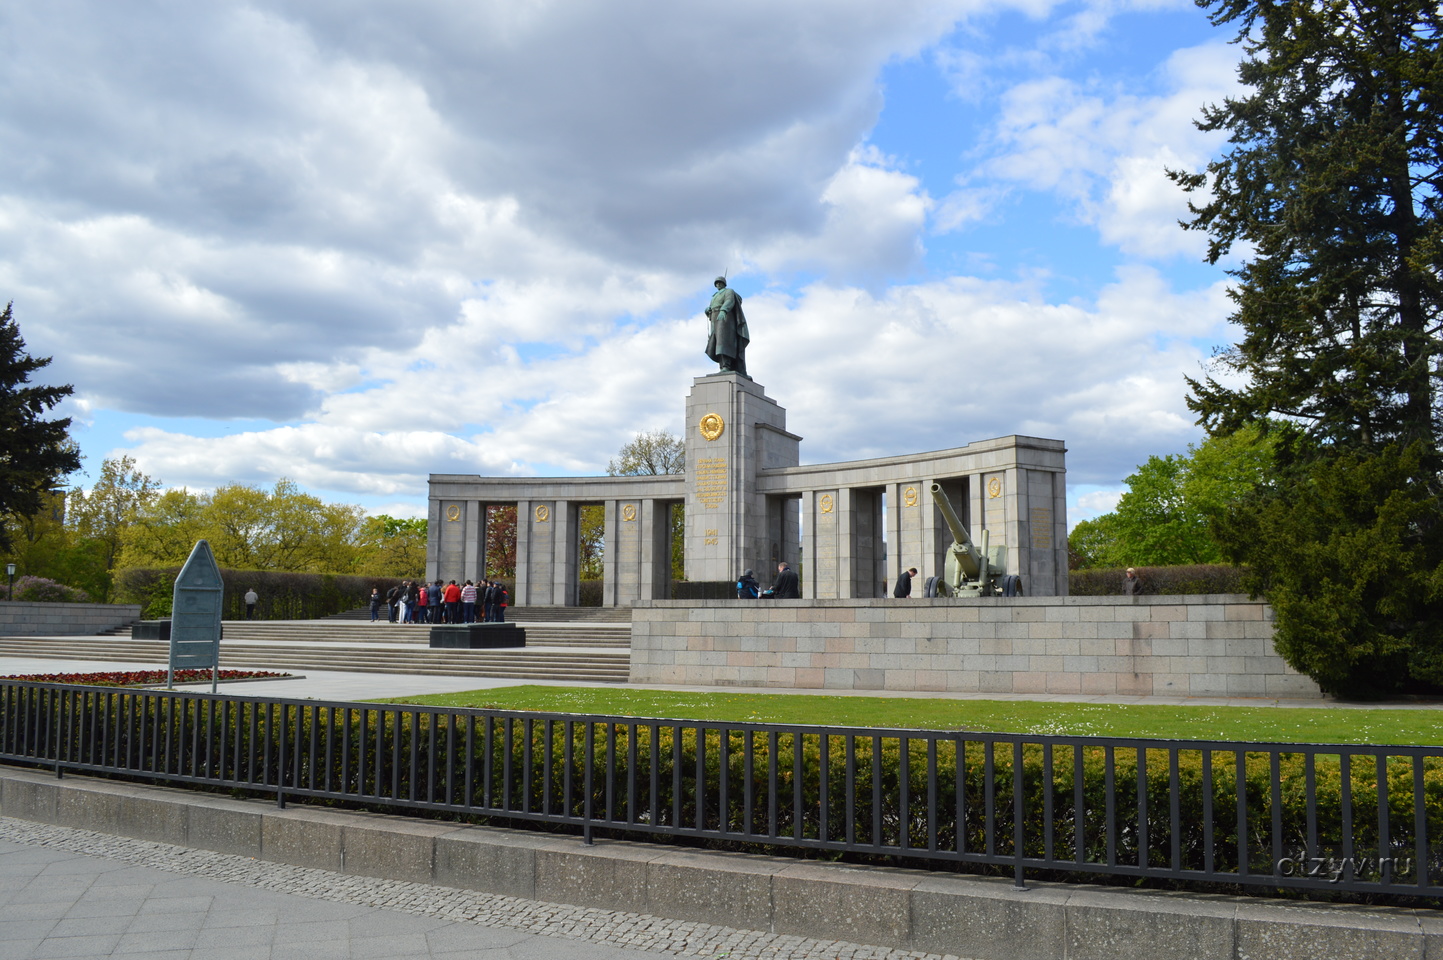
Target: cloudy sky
{"points": [[354, 243]]}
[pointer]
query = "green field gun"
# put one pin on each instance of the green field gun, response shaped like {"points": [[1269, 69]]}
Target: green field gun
{"points": [[971, 570]]}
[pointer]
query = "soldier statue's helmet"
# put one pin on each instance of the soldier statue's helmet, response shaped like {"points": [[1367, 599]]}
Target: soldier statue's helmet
{"points": [[720, 281]]}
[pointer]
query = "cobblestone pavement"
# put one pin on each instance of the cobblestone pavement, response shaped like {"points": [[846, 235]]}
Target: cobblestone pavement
{"points": [[76, 893]]}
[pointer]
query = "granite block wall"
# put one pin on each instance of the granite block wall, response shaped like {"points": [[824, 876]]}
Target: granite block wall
{"points": [[22, 619], [1161, 646]]}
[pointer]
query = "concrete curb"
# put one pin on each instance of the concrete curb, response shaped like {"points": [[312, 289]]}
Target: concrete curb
{"points": [[904, 909]]}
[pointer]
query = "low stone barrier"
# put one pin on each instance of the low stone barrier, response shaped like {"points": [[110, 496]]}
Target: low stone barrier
{"points": [[941, 913], [23, 619], [1166, 646]]}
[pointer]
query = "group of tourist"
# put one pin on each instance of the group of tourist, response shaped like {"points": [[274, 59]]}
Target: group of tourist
{"points": [[416, 601]]}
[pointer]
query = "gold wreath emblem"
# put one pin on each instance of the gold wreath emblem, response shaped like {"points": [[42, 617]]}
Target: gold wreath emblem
{"points": [[543, 513], [712, 426], [909, 497], [994, 488], [628, 512], [453, 512], [826, 503]]}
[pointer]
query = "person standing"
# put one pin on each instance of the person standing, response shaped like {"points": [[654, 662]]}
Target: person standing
{"points": [[1132, 584], [375, 604], [403, 602], [393, 600], [487, 593], [451, 596], [903, 589], [251, 600], [503, 598], [434, 604], [786, 586], [468, 603]]}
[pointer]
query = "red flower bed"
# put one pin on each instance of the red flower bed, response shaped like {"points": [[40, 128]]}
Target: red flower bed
{"points": [[143, 678]]}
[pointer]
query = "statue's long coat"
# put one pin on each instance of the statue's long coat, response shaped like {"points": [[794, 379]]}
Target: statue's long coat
{"points": [[729, 335]]}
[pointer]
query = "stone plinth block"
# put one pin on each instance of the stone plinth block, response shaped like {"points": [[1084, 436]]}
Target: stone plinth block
{"points": [[477, 636]]}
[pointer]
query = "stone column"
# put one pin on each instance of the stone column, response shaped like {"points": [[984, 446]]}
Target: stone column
{"points": [[565, 554], [655, 522], [610, 568], [433, 539], [475, 557], [846, 544], [732, 430], [521, 588], [893, 565], [809, 546]]}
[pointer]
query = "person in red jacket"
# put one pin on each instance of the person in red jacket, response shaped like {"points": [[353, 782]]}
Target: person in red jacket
{"points": [[452, 597]]}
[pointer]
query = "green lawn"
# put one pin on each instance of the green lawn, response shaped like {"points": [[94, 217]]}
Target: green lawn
{"points": [[1285, 724]]}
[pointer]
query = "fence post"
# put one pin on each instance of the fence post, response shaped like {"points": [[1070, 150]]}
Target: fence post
{"points": [[281, 765], [1017, 814], [587, 759]]}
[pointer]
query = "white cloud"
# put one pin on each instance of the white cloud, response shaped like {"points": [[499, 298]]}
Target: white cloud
{"points": [[1105, 149], [436, 236], [919, 367]]}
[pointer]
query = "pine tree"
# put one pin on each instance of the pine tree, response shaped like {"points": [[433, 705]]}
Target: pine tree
{"points": [[1331, 192], [1333, 180], [35, 453]]}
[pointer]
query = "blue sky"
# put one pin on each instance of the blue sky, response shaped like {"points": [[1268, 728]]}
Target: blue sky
{"points": [[356, 244]]}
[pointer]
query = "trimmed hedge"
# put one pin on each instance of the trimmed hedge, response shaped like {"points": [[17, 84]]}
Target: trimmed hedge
{"points": [[283, 596], [1197, 578]]}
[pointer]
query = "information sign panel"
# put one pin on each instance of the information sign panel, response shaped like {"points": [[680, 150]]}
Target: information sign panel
{"points": [[195, 615]]}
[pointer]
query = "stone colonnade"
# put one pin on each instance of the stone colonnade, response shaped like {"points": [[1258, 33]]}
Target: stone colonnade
{"points": [[850, 528]]}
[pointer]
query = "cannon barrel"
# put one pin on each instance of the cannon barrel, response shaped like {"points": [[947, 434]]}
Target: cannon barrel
{"points": [[959, 532]]}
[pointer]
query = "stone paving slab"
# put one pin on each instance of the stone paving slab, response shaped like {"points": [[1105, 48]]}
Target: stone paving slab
{"points": [[76, 893], [337, 685]]}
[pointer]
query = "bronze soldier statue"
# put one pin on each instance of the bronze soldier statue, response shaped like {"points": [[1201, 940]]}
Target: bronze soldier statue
{"points": [[727, 342]]}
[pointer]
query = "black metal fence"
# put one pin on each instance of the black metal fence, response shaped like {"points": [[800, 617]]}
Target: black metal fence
{"points": [[1310, 816]]}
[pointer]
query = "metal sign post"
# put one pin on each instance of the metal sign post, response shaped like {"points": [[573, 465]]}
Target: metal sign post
{"points": [[195, 616]]}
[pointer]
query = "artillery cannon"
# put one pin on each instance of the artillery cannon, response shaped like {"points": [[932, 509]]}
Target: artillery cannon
{"points": [[971, 570]]}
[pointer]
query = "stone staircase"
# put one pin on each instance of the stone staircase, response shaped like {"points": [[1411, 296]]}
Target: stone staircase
{"points": [[575, 634], [566, 652]]}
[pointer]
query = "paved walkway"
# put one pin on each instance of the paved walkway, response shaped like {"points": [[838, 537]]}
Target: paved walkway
{"points": [[331, 685], [74, 893]]}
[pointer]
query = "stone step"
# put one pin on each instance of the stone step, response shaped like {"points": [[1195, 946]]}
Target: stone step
{"points": [[511, 664], [526, 614], [546, 635]]}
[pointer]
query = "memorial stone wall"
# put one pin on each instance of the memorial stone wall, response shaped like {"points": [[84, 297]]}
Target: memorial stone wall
{"points": [[849, 528]]}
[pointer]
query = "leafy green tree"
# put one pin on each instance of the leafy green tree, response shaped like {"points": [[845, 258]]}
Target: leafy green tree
{"points": [[1354, 587], [655, 454], [1331, 187], [649, 454], [501, 541], [102, 514], [35, 453], [1165, 518], [591, 538], [1092, 542], [163, 530], [249, 528], [391, 546]]}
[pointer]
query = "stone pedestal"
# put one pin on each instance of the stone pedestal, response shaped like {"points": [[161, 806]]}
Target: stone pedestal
{"points": [[477, 636], [734, 430]]}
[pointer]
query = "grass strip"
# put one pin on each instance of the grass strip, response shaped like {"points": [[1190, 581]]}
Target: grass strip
{"points": [[1380, 725]]}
